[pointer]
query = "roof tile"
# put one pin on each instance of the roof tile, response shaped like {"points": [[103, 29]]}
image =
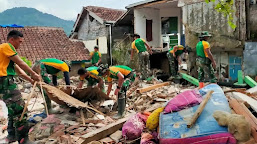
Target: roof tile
{"points": [[106, 14], [47, 42]]}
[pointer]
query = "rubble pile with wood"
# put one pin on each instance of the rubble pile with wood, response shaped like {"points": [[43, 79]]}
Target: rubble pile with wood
{"points": [[152, 108]]}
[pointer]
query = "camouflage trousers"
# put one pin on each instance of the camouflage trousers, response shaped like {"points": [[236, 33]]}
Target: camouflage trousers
{"points": [[144, 64], [9, 93], [173, 64], [205, 68], [129, 79], [92, 81]]}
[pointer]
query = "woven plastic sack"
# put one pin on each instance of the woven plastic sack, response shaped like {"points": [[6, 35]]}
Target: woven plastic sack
{"points": [[132, 128], [183, 100], [153, 120]]}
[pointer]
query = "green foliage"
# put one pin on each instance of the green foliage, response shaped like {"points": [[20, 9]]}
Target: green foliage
{"points": [[121, 54], [28, 62], [226, 8], [32, 17]]}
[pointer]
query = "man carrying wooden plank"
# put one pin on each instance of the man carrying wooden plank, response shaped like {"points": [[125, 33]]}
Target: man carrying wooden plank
{"points": [[125, 77], [51, 66], [9, 93], [205, 60], [92, 76], [140, 45]]}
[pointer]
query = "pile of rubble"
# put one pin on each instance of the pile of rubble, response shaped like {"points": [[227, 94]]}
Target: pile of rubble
{"points": [[72, 126]]}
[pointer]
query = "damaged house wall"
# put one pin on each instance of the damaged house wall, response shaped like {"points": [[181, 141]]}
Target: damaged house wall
{"points": [[225, 42], [94, 33], [250, 55], [143, 14], [253, 22]]}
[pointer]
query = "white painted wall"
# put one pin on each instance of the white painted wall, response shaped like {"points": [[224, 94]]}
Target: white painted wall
{"points": [[103, 45], [141, 14], [102, 41], [90, 44]]}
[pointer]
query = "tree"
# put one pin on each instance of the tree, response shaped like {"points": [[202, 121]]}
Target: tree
{"points": [[226, 8]]}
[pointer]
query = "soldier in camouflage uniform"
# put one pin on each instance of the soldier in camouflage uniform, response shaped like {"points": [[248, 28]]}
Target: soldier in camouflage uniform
{"points": [[204, 60], [140, 45], [125, 76], [92, 76], [174, 57], [52, 66], [9, 93]]}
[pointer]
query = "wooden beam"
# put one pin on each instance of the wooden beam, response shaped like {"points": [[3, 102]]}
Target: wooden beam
{"points": [[82, 117], [252, 102], [26, 105], [104, 131], [200, 109], [249, 113], [142, 90], [239, 109]]}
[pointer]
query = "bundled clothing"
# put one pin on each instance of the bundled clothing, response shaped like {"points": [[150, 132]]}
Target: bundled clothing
{"points": [[9, 93]]}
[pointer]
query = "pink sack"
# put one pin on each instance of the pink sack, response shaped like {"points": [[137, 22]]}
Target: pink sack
{"points": [[183, 100], [132, 129]]}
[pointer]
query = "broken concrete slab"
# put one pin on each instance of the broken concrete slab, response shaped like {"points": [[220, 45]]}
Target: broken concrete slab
{"points": [[116, 136], [104, 131]]}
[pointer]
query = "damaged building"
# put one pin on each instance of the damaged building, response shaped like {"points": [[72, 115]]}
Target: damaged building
{"points": [[94, 26], [164, 24]]}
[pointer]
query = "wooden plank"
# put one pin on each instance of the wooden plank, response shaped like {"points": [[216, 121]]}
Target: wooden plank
{"points": [[200, 109], [142, 90], [239, 110], [254, 134], [42, 93], [104, 131], [26, 105], [252, 102], [252, 90], [82, 117], [249, 113]]}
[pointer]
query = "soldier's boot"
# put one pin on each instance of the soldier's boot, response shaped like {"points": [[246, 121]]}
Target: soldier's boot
{"points": [[121, 106]]}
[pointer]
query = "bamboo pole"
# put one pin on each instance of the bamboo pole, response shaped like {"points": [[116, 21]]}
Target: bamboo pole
{"points": [[200, 109], [42, 92], [26, 105]]}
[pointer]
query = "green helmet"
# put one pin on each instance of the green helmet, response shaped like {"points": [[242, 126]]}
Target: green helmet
{"points": [[102, 69], [205, 34]]}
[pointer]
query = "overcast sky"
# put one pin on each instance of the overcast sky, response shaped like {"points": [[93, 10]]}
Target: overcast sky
{"points": [[65, 9]]}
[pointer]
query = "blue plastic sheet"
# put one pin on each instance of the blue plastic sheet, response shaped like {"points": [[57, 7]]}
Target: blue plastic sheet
{"points": [[12, 25]]}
